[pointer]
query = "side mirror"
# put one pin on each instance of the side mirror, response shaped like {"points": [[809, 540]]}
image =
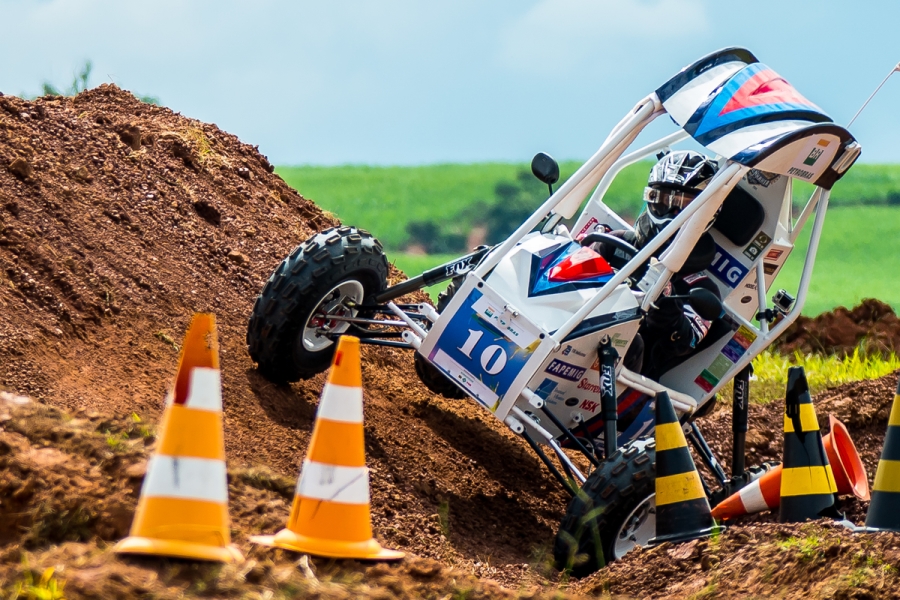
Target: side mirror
{"points": [[705, 303], [545, 168]]}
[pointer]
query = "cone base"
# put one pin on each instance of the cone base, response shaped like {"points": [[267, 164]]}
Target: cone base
{"points": [[867, 529], [178, 549], [296, 542], [677, 538]]}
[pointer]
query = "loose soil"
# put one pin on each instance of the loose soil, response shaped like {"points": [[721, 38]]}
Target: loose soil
{"points": [[118, 220], [873, 327]]}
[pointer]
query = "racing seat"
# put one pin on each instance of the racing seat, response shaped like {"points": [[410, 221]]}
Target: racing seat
{"points": [[739, 220]]}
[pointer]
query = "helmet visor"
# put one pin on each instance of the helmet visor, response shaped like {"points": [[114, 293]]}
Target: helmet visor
{"points": [[661, 201]]}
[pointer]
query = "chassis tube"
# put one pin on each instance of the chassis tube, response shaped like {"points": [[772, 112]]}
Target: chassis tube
{"points": [[729, 177], [460, 266], [645, 111], [706, 454], [566, 483]]}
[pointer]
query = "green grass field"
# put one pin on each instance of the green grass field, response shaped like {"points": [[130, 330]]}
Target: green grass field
{"points": [[384, 199], [859, 256]]}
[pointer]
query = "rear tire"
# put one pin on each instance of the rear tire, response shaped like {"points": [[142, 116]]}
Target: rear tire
{"points": [[613, 512], [319, 277]]}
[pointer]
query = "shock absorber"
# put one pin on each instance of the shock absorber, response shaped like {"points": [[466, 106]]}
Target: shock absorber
{"points": [[739, 412], [608, 404]]}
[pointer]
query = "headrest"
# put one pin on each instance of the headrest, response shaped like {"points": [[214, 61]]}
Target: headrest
{"points": [[740, 218]]}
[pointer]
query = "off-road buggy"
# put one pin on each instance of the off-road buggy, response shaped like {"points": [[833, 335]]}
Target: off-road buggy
{"points": [[532, 328]]}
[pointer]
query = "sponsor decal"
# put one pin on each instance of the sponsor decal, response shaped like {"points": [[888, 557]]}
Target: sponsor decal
{"points": [[757, 177], [608, 382], [618, 341], [770, 268], [704, 384], [693, 278], [709, 377], [545, 388], [584, 384], [816, 152], [590, 405], [746, 299], [460, 267], [571, 401], [588, 227], [572, 350], [744, 337], [726, 268], [757, 246], [733, 351], [774, 254], [564, 370], [512, 325], [720, 366], [802, 174]]}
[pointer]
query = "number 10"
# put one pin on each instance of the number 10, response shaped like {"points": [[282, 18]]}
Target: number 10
{"points": [[493, 358]]}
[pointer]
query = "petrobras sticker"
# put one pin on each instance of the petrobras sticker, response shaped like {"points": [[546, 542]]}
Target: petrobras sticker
{"points": [[727, 268], [809, 162], [514, 327], [564, 370]]}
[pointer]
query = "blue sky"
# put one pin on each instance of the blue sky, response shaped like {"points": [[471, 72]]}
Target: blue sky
{"points": [[416, 81]]}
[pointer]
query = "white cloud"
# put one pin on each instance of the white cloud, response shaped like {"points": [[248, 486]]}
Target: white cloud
{"points": [[558, 36]]}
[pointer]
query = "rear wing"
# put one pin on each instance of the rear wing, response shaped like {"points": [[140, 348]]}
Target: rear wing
{"points": [[741, 109]]}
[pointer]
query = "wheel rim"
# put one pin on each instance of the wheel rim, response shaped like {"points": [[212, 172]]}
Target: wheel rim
{"points": [[313, 338], [638, 528]]}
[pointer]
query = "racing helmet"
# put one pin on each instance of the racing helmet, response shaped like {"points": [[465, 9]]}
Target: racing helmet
{"points": [[674, 181]]}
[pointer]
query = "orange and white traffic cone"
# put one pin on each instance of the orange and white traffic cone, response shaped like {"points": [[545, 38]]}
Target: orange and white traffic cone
{"points": [[330, 514], [761, 494], [183, 509], [764, 493]]}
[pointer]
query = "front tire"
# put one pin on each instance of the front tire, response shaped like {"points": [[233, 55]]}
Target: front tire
{"points": [[613, 512], [329, 274]]}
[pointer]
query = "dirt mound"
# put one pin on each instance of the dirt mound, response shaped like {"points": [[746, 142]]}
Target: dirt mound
{"points": [[69, 488], [119, 219], [758, 557], [872, 326], [813, 560]]}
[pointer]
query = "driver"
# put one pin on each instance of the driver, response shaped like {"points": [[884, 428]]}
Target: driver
{"points": [[671, 328]]}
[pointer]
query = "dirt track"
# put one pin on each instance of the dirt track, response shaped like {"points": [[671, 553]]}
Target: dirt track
{"points": [[108, 247], [118, 220]]}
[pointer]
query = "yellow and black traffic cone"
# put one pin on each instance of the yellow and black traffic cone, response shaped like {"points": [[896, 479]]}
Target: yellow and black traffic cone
{"points": [[884, 511], [682, 509], [807, 481]]}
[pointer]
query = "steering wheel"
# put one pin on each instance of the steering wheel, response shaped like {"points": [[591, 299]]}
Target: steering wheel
{"points": [[616, 251]]}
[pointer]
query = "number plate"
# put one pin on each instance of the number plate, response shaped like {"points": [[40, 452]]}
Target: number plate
{"points": [[485, 346]]}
